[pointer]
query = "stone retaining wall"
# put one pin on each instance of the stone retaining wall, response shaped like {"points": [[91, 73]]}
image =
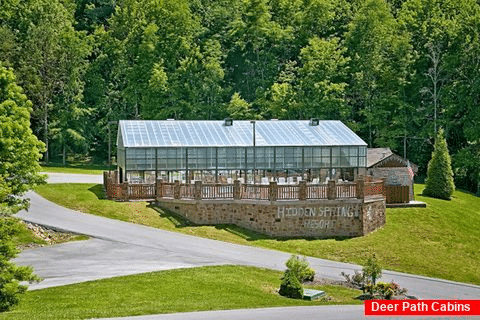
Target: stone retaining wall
{"points": [[311, 218]]}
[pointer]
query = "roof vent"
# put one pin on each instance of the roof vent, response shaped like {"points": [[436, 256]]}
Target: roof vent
{"points": [[170, 119], [274, 119], [314, 122], [228, 122]]}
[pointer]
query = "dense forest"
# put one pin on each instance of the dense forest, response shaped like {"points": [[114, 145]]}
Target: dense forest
{"points": [[394, 71]]}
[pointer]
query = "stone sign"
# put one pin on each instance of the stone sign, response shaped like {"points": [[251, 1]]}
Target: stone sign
{"points": [[318, 219]]}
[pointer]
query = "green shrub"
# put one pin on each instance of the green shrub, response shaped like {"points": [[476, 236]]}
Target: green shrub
{"points": [[386, 290], [372, 269], [301, 268], [439, 182], [291, 286]]}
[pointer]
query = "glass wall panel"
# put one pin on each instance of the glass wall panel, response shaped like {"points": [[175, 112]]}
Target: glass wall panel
{"points": [[293, 157], [317, 158], [181, 158], [335, 156], [353, 161], [240, 158], [307, 157], [362, 159], [269, 158], [362, 162], [260, 154], [140, 159], [121, 158], [279, 158], [170, 158], [231, 158], [344, 153], [222, 158], [250, 163]]}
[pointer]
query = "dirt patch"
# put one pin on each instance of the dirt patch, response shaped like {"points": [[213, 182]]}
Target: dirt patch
{"points": [[49, 236]]}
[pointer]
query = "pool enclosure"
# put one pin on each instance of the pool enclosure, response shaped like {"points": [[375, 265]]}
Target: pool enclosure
{"points": [[250, 151]]}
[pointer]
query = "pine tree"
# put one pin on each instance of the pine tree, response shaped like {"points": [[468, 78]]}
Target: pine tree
{"points": [[439, 182], [291, 286]]}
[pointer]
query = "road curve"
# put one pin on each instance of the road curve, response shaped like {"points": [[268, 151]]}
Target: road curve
{"points": [[121, 248]]}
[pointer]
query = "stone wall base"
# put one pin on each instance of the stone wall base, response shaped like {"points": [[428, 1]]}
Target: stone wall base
{"points": [[311, 218]]}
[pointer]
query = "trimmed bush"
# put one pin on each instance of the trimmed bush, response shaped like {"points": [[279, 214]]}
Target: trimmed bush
{"points": [[291, 287], [439, 183], [301, 268]]}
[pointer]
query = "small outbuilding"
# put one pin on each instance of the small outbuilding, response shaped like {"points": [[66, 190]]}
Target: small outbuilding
{"points": [[397, 171]]}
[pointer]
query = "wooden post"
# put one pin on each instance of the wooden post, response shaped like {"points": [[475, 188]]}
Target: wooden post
{"points": [[382, 186], [273, 191], [176, 190], [125, 191], [360, 188], [198, 190], [332, 190], [159, 187], [302, 190], [237, 190]]}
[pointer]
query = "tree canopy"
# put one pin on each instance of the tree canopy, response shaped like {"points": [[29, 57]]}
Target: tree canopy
{"points": [[394, 71], [20, 149]]}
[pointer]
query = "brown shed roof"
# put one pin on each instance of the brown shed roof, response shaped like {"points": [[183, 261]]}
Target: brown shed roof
{"points": [[377, 157]]}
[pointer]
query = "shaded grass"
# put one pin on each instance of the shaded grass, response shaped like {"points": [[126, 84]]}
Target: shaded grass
{"points": [[442, 240], [179, 290], [76, 167]]}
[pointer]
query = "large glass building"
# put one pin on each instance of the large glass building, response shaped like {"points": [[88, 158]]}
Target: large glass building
{"points": [[251, 151]]}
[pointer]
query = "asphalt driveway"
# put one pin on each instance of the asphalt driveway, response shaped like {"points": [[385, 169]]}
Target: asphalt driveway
{"points": [[121, 248]]}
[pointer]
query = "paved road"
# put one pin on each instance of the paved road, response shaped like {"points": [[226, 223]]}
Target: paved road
{"points": [[121, 248], [285, 313], [54, 177]]}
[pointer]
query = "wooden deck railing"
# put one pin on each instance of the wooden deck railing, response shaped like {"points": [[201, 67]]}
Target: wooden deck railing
{"points": [[346, 190], [237, 191], [255, 192], [187, 191], [217, 191], [317, 191], [288, 192]]}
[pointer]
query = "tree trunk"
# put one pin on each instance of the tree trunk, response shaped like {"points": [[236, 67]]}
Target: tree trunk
{"points": [[64, 155], [45, 120]]}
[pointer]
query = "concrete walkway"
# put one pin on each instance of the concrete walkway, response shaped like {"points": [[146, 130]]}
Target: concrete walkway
{"points": [[121, 248]]}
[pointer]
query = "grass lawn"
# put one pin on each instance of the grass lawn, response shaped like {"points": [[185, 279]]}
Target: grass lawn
{"points": [[76, 168], [442, 240], [179, 290]]}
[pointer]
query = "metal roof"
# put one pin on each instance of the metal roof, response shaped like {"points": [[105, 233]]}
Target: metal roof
{"points": [[182, 133]]}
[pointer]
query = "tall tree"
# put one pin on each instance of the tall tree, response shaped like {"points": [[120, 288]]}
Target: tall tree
{"points": [[19, 154], [256, 40], [49, 59], [19, 148], [380, 57], [322, 80]]}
